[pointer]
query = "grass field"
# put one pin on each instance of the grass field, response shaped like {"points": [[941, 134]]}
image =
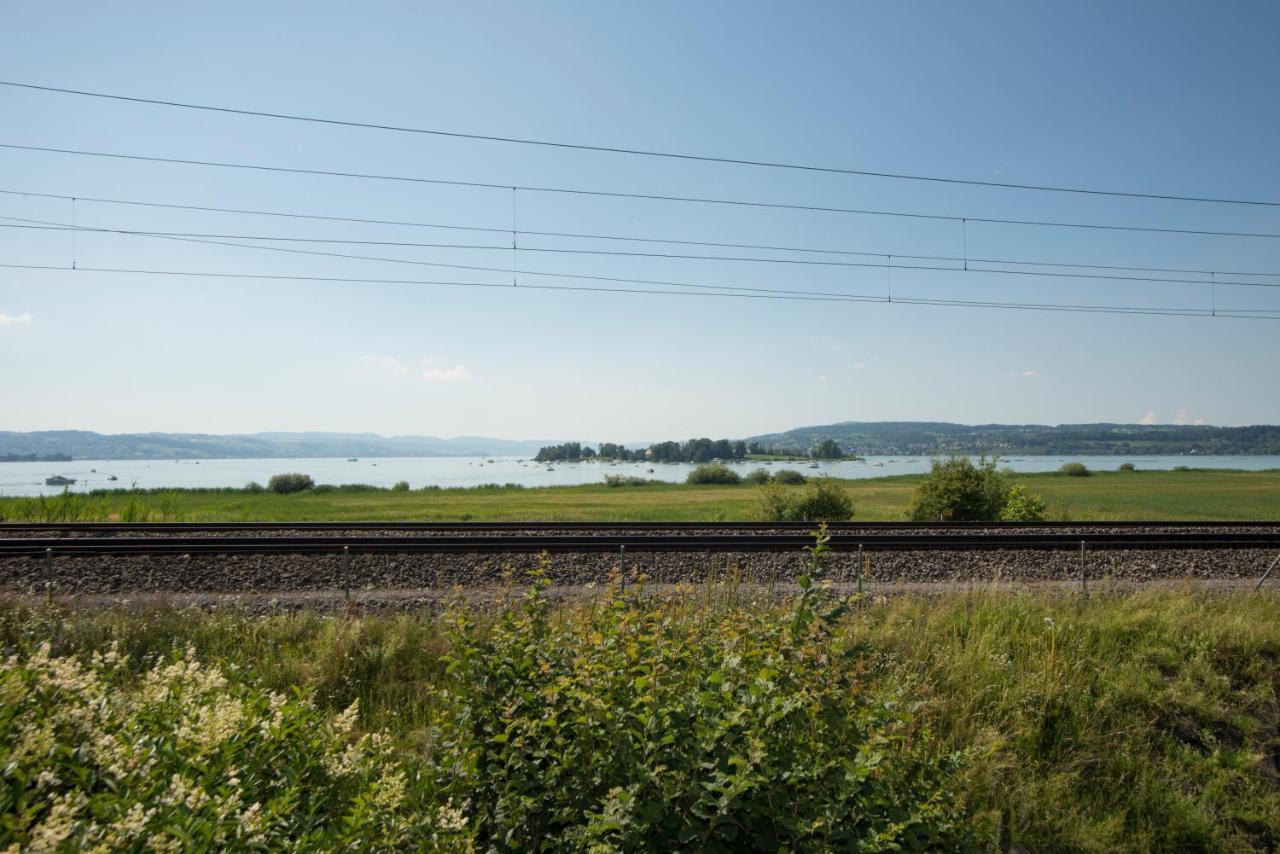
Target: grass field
{"points": [[1139, 723], [1189, 495]]}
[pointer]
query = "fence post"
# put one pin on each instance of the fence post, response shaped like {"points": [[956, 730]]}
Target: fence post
{"points": [[1084, 569], [346, 571], [622, 569], [862, 568], [1265, 574]]}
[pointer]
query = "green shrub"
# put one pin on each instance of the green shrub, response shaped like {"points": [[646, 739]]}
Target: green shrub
{"points": [[759, 476], [788, 477], [254, 488], [401, 486], [713, 473], [1023, 506], [347, 488], [956, 490], [626, 730], [1127, 467], [624, 480], [284, 484], [1075, 470], [821, 500], [189, 757]]}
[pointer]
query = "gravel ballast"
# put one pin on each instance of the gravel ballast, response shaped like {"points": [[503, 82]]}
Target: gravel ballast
{"points": [[96, 574]]}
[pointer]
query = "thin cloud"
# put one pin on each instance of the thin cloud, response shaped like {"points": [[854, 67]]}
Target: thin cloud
{"points": [[23, 319], [433, 372], [822, 379], [1149, 418], [857, 366], [1025, 375], [428, 369]]}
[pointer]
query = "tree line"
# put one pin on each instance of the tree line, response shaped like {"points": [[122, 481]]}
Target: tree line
{"points": [[702, 450]]}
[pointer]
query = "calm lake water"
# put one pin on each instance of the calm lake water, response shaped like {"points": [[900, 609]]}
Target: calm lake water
{"points": [[28, 478]]}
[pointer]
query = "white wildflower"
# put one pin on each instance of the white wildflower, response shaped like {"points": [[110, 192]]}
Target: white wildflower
{"points": [[58, 824], [346, 722], [390, 792], [451, 818]]}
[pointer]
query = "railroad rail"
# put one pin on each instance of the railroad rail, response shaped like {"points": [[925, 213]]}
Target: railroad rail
{"points": [[119, 528], [624, 537]]}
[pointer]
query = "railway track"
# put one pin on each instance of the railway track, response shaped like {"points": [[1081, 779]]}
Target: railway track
{"points": [[58, 539], [7, 529]]}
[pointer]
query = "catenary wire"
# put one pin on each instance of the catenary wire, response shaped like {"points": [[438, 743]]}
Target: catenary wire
{"points": [[630, 238], [368, 176], [483, 269], [45, 225], [725, 289], [670, 155], [1241, 314]]}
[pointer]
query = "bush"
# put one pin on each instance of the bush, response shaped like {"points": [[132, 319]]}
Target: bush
{"points": [[759, 476], [1075, 470], [1127, 467], [956, 490], [401, 486], [788, 477], [732, 732], [191, 758], [284, 484], [346, 488], [713, 473], [623, 480], [821, 500], [1023, 506], [254, 488]]}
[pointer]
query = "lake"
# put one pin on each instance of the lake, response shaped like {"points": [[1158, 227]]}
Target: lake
{"points": [[28, 478]]}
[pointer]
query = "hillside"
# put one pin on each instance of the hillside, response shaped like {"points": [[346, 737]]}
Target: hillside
{"points": [[935, 437], [83, 444]]}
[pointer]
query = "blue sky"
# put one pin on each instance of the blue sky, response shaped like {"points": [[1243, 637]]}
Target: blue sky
{"points": [[1152, 97]]}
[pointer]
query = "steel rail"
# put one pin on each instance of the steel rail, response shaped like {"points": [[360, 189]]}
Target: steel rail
{"points": [[120, 546], [727, 527]]}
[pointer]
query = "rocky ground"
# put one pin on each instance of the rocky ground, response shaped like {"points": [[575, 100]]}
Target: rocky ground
{"points": [[239, 574]]}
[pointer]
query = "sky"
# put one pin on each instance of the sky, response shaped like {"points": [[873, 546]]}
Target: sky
{"points": [[1160, 97]]}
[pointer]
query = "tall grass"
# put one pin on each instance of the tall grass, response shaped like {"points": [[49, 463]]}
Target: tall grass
{"points": [[1141, 722]]}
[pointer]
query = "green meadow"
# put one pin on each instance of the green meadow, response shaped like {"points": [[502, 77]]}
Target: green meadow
{"points": [[1156, 495]]}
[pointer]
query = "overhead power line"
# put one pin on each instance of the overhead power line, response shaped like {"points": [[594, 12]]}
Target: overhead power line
{"points": [[1238, 314], [470, 267], [727, 290], [638, 152], [527, 188], [627, 238], [887, 263]]}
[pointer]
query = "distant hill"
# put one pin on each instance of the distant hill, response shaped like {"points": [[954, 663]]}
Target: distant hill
{"points": [[921, 438], [83, 444]]}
